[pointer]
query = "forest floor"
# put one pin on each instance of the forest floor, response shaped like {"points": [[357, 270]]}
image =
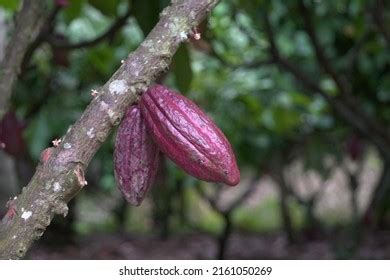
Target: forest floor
{"points": [[202, 246], [334, 205]]}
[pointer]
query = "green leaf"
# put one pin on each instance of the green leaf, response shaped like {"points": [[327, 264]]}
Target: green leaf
{"points": [[108, 8], [11, 5], [147, 13], [281, 120], [73, 10], [100, 59], [182, 68]]}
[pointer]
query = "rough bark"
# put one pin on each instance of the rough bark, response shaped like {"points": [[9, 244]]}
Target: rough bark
{"points": [[29, 21], [3, 33], [60, 175]]}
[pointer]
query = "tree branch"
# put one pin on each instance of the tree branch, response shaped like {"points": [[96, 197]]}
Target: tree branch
{"points": [[29, 21], [355, 118], [379, 19], [60, 175], [46, 34], [246, 65], [47, 28], [345, 89], [213, 200], [110, 32], [250, 188], [323, 61]]}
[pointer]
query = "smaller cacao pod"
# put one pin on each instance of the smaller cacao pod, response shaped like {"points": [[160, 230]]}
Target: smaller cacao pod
{"points": [[188, 136], [136, 157], [11, 135]]}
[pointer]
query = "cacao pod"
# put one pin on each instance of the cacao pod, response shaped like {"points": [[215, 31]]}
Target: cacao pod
{"points": [[136, 157], [188, 136], [11, 134]]}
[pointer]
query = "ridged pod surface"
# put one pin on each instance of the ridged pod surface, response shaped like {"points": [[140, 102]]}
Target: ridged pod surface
{"points": [[188, 136], [136, 157]]}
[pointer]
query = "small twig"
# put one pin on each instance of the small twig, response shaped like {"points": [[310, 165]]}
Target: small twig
{"points": [[47, 29], [215, 198], [370, 128], [245, 65], [249, 189], [345, 89], [212, 201], [278, 167], [226, 213], [109, 33], [323, 61], [29, 22]]}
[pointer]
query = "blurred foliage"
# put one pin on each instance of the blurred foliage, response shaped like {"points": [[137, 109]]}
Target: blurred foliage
{"points": [[261, 109], [11, 5]]}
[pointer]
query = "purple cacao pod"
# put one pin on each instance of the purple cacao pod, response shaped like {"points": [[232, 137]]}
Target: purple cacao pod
{"points": [[136, 157], [188, 136]]}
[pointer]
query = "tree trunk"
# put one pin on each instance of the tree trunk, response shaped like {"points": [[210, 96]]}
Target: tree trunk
{"points": [[224, 237]]}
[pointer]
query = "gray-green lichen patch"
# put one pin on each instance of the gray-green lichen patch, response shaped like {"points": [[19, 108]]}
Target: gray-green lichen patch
{"points": [[67, 146], [60, 208], [118, 87], [26, 215], [178, 26], [90, 133], [57, 187], [103, 105]]}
